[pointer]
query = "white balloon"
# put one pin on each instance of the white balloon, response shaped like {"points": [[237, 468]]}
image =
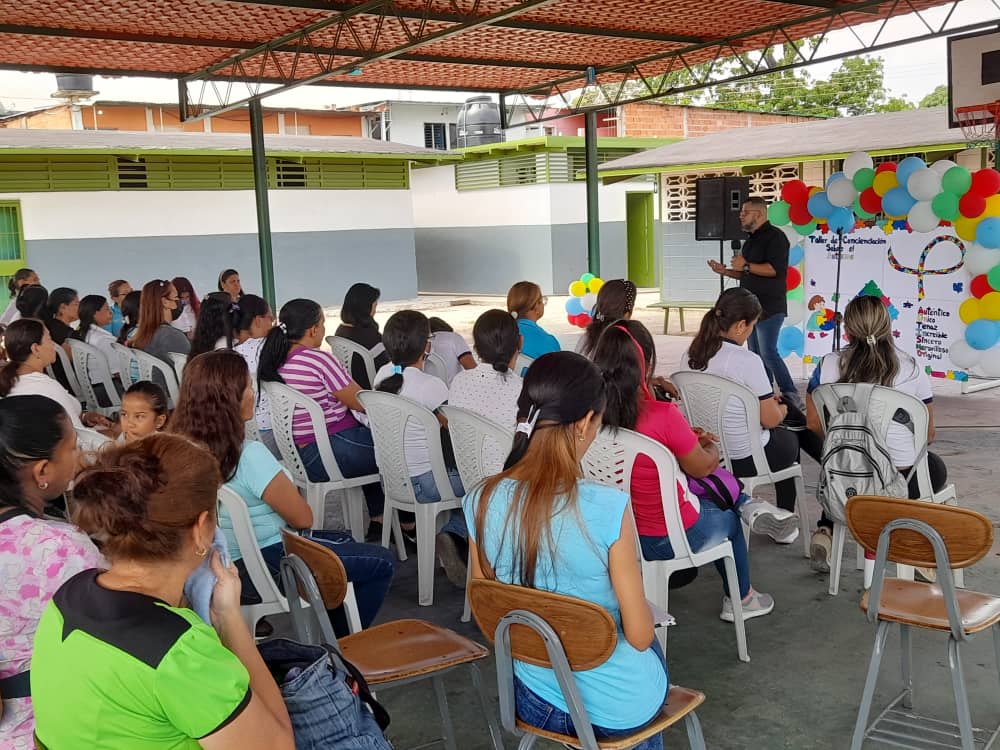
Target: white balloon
{"points": [[796, 312], [964, 356], [943, 166], [980, 260], [794, 238], [588, 300], [922, 218], [924, 184], [841, 193], [989, 363], [857, 160]]}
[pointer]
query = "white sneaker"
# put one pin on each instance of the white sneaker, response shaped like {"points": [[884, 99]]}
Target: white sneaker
{"points": [[764, 518], [788, 538], [757, 605]]}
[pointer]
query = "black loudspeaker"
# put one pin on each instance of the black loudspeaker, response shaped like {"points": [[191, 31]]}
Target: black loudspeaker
{"points": [[717, 207]]}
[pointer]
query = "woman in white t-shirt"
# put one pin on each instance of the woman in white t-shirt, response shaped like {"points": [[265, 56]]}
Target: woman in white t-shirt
{"points": [[407, 339], [719, 349], [451, 347], [251, 324], [492, 388], [872, 357]]}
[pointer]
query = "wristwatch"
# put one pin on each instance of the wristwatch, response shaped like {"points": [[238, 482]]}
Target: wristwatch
{"points": [[746, 270]]}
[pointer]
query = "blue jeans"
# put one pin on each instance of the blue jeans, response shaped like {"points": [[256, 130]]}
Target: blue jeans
{"points": [[369, 567], [425, 491], [538, 712], [355, 453], [763, 341], [713, 527]]}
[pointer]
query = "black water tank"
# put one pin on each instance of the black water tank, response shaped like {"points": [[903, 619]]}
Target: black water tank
{"points": [[70, 82], [479, 122]]}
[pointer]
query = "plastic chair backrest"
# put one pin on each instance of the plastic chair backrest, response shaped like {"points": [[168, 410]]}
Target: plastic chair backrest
{"points": [[388, 416], [481, 445], [148, 364], [346, 350], [125, 360], [434, 365], [705, 399], [285, 401], [92, 366], [327, 569], [882, 406], [70, 372], [610, 460], [179, 362], [90, 440], [586, 630], [246, 540]]}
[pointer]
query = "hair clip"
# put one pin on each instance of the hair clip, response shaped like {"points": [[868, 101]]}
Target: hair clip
{"points": [[397, 369], [283, 327], [871, 340], [528, 426], [514, 314]]}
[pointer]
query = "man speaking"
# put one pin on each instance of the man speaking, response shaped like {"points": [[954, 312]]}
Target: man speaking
{"points": [[762, 269]]}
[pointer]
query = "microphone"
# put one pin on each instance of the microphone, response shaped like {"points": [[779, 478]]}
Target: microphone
{"points": [[737, 247]]}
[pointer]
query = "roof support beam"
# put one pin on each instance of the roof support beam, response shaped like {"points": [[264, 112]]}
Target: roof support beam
{"points": [[705, 65], [236, 80]]}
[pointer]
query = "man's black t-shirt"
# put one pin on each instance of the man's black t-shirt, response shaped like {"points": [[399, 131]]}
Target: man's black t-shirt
{"points": [[768, 245]]}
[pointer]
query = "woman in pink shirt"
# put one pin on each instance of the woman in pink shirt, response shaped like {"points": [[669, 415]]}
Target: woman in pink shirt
{"points": [[291, 354]]}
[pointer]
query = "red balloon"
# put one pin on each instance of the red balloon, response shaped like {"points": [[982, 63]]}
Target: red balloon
{"points": [[980, 286], [870, 201], [985, 182], [793, 279], [583, 320], [572, 319], [971, 205], [794, 191], [887, 166], [799, 214]]}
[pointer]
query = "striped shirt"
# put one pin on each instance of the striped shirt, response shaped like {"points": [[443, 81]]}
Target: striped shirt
{"points": [[318, 375]]}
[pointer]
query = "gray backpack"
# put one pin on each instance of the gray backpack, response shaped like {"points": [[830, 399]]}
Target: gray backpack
{"points": [[855, 459]]}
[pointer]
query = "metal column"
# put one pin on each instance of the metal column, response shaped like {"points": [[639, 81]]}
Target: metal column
{"points": [[593, 212], [263, 209]]}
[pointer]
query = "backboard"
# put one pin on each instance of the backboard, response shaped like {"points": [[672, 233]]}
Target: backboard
{"points": [[973, 74]]}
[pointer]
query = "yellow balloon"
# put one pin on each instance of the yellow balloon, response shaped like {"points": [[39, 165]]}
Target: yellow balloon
{"points": [[577, 289], [815, 189], [970, 310], [966, 228], [992, 207], [990, 305], [884, 182]]}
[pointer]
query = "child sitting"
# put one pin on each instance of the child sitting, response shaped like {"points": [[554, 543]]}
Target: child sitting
{"points": [[144, 411]]}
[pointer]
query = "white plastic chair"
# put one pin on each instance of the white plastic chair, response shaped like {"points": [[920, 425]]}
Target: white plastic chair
{"points": [[522, 364], [67, 366], [389, 416], [126, 364], [148, 364], [90, 440], [882, 406], [704, 400], [92, 366], [434, 365], [610, 461], [345, 350], [179, 361], [285, 401]]}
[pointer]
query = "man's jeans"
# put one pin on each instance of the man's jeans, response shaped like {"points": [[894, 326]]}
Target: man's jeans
{"points": [[763, 341]]}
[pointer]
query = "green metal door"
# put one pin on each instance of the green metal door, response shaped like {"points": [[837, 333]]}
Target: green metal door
{"points": [[11, 244], [640, 239]]}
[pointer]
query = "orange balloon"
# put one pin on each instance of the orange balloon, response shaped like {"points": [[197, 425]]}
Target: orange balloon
{"points": [[813, 190], [884, 182]]}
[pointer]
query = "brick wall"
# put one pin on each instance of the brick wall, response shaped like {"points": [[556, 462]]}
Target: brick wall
{"points": [[669, 121]]}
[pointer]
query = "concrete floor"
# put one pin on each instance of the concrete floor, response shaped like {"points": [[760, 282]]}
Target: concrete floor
{"points": [[808, 658]]}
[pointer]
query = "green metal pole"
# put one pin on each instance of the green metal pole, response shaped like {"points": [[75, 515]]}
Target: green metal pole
{"points": [[593, 210], [263, 208]]}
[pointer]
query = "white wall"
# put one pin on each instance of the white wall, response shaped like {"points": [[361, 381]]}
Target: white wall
{"points": [[569, 201], [436, 202], [407, 120]]}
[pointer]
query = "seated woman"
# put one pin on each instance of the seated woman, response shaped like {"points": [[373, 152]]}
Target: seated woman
{"points": [[33, 302], [130, 316], [158, 308], [144, 411], [229, 282], [526, 303], [719, 349], [64, 310], [251, 324], [30, 350], [492, 388], [451, 347], [513, 519], [37, 462], [615, 301], [216, 400], [407, 340], [214, 327], [190, 306], [95, 314], [872, 357], [143, 669], [360, 326], [22, 277], [291, 354], [117, 291], [625, 354]]}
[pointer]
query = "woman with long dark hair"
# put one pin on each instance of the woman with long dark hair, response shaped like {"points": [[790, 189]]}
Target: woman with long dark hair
{"points": [[229, 282], [130, 305], [158, 308], [33, 302], [95, 315], [615, 301], [64, 310], [22, 277], [538, 524], [492, 388], [359, 325], [252, 322], [215, 326], [37, 463], [216, 400], [190, 306]]}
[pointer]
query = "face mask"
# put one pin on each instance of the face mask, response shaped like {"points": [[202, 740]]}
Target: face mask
{"points": [[176, 312]]}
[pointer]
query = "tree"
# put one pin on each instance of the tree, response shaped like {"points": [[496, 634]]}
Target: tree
{"points": [[937, 98]]}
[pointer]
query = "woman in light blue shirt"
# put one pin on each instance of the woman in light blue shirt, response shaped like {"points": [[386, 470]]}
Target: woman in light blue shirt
{"points": [[540, 497], [526, 303]]}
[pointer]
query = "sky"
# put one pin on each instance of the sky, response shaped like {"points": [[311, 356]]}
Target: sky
{"points": [[911, 71]]}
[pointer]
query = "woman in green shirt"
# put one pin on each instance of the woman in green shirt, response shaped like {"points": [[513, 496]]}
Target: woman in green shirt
{"points": [[143, 671]]}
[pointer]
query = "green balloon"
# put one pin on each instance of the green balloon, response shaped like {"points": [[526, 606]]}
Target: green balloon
{"points": [[863, 179], [945, 206], [860, 212], [805, 229], [587, 278], [994, 277], [777, 213], [956, 180]]}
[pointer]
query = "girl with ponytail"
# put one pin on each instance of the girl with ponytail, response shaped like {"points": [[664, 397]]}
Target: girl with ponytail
{"points": [[615, 301], [492, 388], [22, 277], [215, 325], [538, 524]]}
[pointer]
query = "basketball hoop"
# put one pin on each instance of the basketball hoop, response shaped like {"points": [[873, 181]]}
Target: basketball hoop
{"points": [[980, 124]]}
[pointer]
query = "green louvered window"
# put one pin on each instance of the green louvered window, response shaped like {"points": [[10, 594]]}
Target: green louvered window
{"points": [[11, 240]]}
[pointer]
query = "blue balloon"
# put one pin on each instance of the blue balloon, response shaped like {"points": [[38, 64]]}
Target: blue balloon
{"points": [[834, 177], [574, 306], [908, 166], [982, 334], [791, 340], [795, 255], [841, 220], [988, 233], [898, 202], [819, 205]]}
